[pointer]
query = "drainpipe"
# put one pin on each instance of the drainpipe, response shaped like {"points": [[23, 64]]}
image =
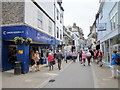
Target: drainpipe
{"points": [[54, 26]]}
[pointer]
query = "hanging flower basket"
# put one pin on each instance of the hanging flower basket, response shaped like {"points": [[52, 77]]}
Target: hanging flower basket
{"points": [[18, 40], [28, 41]]}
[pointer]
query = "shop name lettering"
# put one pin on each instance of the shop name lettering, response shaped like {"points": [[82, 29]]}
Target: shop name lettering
{"points": [[42, 37], [15, 32]]}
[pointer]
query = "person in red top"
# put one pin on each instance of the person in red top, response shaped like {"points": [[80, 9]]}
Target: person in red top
{"points": [[99, 57], [50, 61]]}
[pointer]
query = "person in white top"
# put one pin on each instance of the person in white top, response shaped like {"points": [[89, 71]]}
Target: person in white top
{"points": [[88, 54]]}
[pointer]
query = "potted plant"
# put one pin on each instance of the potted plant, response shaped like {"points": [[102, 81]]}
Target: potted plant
{"points": [[28, 40], [18, 40]]}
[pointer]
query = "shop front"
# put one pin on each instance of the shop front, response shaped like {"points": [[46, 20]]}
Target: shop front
{"points": [[109, 45], [12, 52]]}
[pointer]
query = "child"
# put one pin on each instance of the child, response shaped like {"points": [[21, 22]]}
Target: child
{"points": [[83, 58]]}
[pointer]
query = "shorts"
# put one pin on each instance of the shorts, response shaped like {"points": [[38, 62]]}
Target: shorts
{"points": [[32, 62]]}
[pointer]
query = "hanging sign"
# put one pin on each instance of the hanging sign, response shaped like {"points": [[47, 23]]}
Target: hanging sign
{"points": [[101, 27]]}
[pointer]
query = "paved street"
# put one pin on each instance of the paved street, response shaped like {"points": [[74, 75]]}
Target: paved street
{"points": [[72, 75], [75, 76]]}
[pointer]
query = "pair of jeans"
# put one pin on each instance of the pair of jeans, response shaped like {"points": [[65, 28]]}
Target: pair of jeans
{"points": [[89, 58], [50, 65], [114, 70], [59, 64]]}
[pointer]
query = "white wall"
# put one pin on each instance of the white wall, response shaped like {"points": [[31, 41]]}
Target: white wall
{"points": [[31, 15], [103, 35], [48, 6], [58, 24]]}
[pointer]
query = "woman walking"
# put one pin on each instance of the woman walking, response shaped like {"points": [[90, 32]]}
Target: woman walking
{"points": [[100, 58], [74, 55], [50, 61], [88, 54], [36, 59], [114, 65]]}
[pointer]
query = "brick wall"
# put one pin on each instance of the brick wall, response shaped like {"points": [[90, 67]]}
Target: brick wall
{"points": [[12, 12]]}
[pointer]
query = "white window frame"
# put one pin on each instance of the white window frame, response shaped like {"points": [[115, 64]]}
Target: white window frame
{"points": [[40, 20], [50, 26]]}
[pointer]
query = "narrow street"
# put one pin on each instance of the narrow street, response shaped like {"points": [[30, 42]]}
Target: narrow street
{"points": [[75, 76]]}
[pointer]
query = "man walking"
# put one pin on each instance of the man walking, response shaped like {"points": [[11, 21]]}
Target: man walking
{"points": [[59, 57]]}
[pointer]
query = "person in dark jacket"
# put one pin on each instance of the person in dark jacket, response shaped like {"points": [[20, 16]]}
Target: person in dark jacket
{"points": [[80, 55], [59, 58]]}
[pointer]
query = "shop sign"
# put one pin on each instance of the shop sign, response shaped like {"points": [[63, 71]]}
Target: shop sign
{"points": [[101, 27], [43, 37], [12, 32], [20, 51]]}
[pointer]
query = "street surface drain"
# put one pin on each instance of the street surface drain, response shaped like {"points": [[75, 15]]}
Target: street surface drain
{"points": [[52, 80]]}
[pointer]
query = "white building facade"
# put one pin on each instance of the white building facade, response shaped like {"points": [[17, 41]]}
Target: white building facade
{"points": [[33, 19], [108, 28]]}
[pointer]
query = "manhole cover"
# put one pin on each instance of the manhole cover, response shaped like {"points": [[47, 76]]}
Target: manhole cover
{"points": [[52, 80]]}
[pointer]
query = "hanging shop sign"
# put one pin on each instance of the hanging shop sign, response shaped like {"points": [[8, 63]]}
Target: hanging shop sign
{"points": [[101, 27]]}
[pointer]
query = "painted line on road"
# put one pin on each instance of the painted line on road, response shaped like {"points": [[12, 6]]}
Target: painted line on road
{"points": [[52, 77], [94, 77]]}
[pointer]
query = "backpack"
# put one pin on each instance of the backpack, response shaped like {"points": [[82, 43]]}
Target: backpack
{"points": [[117, 59]]}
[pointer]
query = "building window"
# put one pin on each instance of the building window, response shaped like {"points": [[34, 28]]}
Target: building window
{"points": [[40, 22], [101, 14], [57, 14], [57, 32], [61, 34], [60, 18], [114, 17], [50, 27]]}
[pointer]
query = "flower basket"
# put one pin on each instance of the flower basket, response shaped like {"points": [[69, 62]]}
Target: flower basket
{"points": [[28, 41], [18, 40]]}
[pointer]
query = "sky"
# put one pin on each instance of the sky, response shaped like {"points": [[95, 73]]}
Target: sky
{"points": [[81, 12]]}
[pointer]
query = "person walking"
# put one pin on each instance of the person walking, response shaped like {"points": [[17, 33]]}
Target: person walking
{"points": [[59, 58], [32, 60], [74, 55], [92, 53], [50, 61], [47, 54], [88, 54], [83, 58], [96, 56], [36, 59], [114, 65], [65, 56], [99, 57], [80, 55]]}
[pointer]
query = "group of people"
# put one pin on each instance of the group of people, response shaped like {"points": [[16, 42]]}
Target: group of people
{"points": [[58, 56], [85, 54], [51, 57]]}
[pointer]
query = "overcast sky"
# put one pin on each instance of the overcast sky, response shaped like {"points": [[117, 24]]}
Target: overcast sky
{"points": [[82, 12]]}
